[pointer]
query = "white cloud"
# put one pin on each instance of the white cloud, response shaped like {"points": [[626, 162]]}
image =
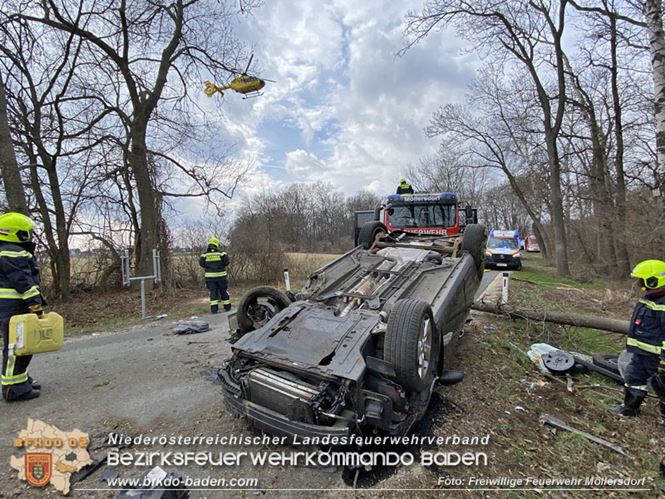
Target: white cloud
{"points": [[301, 162], [359, 110]]}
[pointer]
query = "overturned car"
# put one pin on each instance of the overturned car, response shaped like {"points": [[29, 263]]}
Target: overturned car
{"points": [[363, 344]]}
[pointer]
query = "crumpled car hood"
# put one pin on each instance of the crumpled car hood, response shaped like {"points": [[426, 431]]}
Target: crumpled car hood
{"points": [[309, 336]]}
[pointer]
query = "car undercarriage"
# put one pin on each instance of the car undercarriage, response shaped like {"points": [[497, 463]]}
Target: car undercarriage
{"points": [[362, 345]]}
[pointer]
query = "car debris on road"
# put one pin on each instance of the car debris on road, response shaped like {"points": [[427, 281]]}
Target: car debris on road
{"points": [[546, 419], [191, 326]]}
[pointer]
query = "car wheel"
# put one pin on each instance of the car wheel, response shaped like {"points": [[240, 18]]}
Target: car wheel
{"points": [[473, 243], [412, 344], [369, 232], [259, 306], [519, 266]]}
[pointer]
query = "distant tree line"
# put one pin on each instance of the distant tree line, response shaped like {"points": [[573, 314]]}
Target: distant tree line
{"points": [[310, 218]]}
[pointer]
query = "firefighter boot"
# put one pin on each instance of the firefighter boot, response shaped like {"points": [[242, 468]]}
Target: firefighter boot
{"points": [[227, 307], [11, 394], [35, 385], [631, 403], [214, 309]]}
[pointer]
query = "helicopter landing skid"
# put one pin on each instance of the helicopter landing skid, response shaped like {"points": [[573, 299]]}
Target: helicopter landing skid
{"points": [[252, 95]]}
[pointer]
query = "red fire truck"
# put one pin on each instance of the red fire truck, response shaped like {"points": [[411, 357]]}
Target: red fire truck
{"points": [[423, 214]]}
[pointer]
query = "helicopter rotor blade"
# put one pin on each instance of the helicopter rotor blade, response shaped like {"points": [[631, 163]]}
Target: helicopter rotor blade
{"points": [[266, 79], [249, 63]]}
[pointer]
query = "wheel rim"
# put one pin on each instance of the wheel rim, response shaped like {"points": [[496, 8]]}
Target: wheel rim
{"points": [[424, 348], [261, 312], [377, 234]]}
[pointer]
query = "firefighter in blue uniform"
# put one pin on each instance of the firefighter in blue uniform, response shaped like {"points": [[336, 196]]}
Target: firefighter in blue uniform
{"points": [[404, 187], [214, 262], [646, 339], [19, 294]]}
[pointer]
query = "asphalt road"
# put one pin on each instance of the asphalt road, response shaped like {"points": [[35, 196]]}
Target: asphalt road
{"points": [[488, 278], [144, 380]]}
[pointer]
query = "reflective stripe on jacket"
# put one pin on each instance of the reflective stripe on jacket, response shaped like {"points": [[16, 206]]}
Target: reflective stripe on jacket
{"points": [[404, 189], [19, 280], [214, 263], [647, 326]]}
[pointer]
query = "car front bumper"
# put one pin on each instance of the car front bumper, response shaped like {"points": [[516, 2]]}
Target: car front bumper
{"points": [[502, 261], [275, 423]]}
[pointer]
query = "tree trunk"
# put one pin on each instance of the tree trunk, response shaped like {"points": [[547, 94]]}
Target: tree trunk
{"points": [[138, 162], [11, 177], [43, 208], [56, 236], [570, 319], [601, 193], [558, 221], [60, 253], [654, 21], [622, 258], [539, 232]]}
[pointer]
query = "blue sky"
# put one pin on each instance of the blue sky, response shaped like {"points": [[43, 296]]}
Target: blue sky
{"points": [[344, 108]]}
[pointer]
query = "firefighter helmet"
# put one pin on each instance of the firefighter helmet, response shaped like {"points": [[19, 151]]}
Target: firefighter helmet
{"points": [[651, 273], [213, 241], [15, 228]]}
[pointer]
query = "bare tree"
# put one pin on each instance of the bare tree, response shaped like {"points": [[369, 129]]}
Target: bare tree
{"points": [[530, 33], [145, 54], [446, 172], [498, 130], [11, 176], [615, 36], [56, 128]]}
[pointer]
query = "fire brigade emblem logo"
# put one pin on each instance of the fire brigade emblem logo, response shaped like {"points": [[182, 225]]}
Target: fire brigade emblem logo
{"points": [[38, 467], [49, 456]]}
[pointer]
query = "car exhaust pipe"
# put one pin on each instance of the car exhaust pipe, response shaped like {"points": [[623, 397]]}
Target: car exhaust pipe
{"points": [[451, 377]]}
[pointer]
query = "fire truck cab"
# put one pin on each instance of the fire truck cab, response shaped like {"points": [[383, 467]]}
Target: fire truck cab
{"points": [[423, 214]]}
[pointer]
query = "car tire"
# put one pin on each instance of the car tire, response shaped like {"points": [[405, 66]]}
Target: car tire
{"points": [[519, 267], [368, 233], [473, 243], [412, 344], [258, 306], [607, 361]]}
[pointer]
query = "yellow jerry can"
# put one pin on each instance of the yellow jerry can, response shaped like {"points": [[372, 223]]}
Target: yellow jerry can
{"points": [[31, 334]]}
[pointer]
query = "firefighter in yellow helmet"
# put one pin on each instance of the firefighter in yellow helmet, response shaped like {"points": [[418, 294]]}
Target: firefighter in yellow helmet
{"points": [[19, 294], [643, 360], [214, 263], [404, 187]]}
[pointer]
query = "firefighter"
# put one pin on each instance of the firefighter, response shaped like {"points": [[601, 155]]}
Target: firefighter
{"points": [[214, 262], [404, 187], [646, 338], [19, 294]]}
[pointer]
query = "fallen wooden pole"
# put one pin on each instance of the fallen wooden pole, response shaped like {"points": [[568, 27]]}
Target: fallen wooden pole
{"points": [[570, 319]]}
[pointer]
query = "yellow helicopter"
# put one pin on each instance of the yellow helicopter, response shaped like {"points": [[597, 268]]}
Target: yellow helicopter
{"points": [[249, 86]]}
